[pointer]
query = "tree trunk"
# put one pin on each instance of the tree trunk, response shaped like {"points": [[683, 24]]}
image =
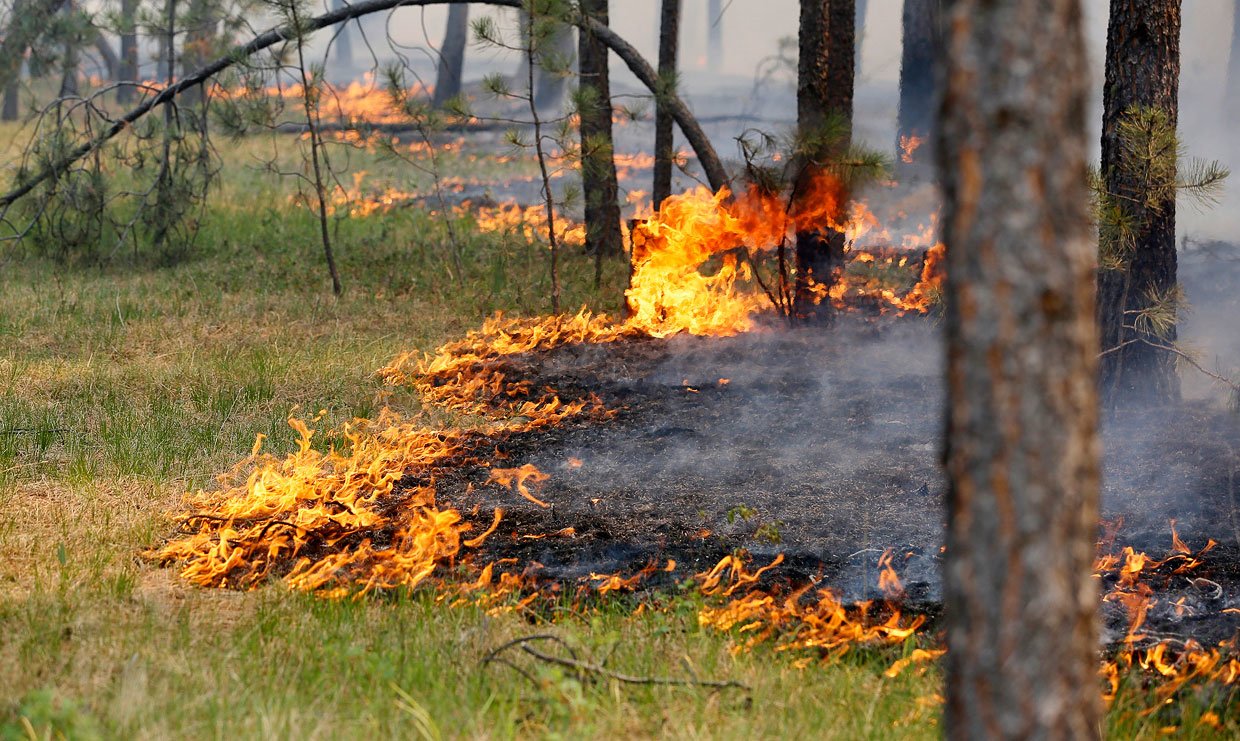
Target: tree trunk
{"points": [[12, 102], [714, 35], [111, 63], [709, 160], [344, 38], [27, 21], [452, 55], [1142, 69], [1022, 447], [200, 27], [664, 136], [598, 165], [921, 35], [128, 71], [1231, 102], [71, 62], [550, 81], [825, 74]]}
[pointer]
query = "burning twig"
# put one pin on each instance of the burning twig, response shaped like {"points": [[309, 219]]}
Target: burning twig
{"points": [[585, 670]]}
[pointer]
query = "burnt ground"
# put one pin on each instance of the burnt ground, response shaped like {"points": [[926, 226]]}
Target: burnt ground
{"points": [[824, 446]]}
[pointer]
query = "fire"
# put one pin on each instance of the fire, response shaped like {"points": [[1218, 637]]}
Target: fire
{"points": [[909, 145]]}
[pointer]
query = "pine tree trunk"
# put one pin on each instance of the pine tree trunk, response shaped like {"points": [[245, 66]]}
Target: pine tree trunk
{"points": [[128, 71], [714, 35], [549, 82], [1231, 102], [452, 55], [921, 33], [71, 61], [1022, 448], [201, 26], [825, 75], [1142, 69], [12, 102], [344, 39], [598, 165], [664, 136]]}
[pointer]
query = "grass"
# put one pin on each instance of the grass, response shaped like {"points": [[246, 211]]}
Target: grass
{"points": [[124, 385]]}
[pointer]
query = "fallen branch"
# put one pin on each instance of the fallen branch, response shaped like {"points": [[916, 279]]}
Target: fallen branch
{"points": [[709, 159], [585, 670]]}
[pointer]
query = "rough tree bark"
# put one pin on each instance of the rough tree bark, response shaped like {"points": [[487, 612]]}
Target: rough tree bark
{"points": [[921, 33], [452, 55], [1022, 448], [128, 69], [825, 74], [598, 165], [1142, 69], [712, 167], [664, 138]]}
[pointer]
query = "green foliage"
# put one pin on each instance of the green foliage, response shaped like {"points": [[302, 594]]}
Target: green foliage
{"points": [[41, 714], [1156, 171]]}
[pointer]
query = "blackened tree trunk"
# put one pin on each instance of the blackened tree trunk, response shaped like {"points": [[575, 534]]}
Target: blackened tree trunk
{"points": [[825, 75], [921, 33], [664, 137], [452, 55], [1022, 447], [1142, 71], [598, 165], [128, 70], [714, 35]]}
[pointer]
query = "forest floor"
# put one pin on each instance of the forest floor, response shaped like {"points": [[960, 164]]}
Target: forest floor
{"points": [[126, 385]]}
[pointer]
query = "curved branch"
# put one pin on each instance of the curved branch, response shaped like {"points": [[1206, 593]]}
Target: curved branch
{"points": [[715, 174]]}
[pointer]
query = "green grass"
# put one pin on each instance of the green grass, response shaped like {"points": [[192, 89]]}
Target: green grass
{"points": [[123, 386]]}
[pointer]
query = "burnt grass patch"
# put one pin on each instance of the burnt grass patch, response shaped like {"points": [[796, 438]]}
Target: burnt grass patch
{"points": [[822, 445]]}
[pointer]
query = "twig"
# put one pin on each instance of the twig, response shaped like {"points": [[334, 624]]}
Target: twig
{"points": [[585, 669]]}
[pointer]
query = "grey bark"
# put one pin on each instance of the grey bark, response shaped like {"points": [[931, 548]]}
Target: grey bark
{"points": [[1022, 447], [452, 55]]}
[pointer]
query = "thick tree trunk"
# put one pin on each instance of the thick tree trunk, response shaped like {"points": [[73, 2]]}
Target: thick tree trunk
{"points": [[921, 33], [1142, 69], [825, 74], [664, 137], [598, 165], [128, 69], [714, 35], [111, 63], [12, 102], [452, 55], [1022, 447]]}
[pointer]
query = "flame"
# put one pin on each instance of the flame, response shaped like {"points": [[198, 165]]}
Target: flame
{"points": [[909, 145]]}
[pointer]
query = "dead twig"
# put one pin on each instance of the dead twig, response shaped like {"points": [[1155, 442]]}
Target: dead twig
{"points": [[584, 670]]}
